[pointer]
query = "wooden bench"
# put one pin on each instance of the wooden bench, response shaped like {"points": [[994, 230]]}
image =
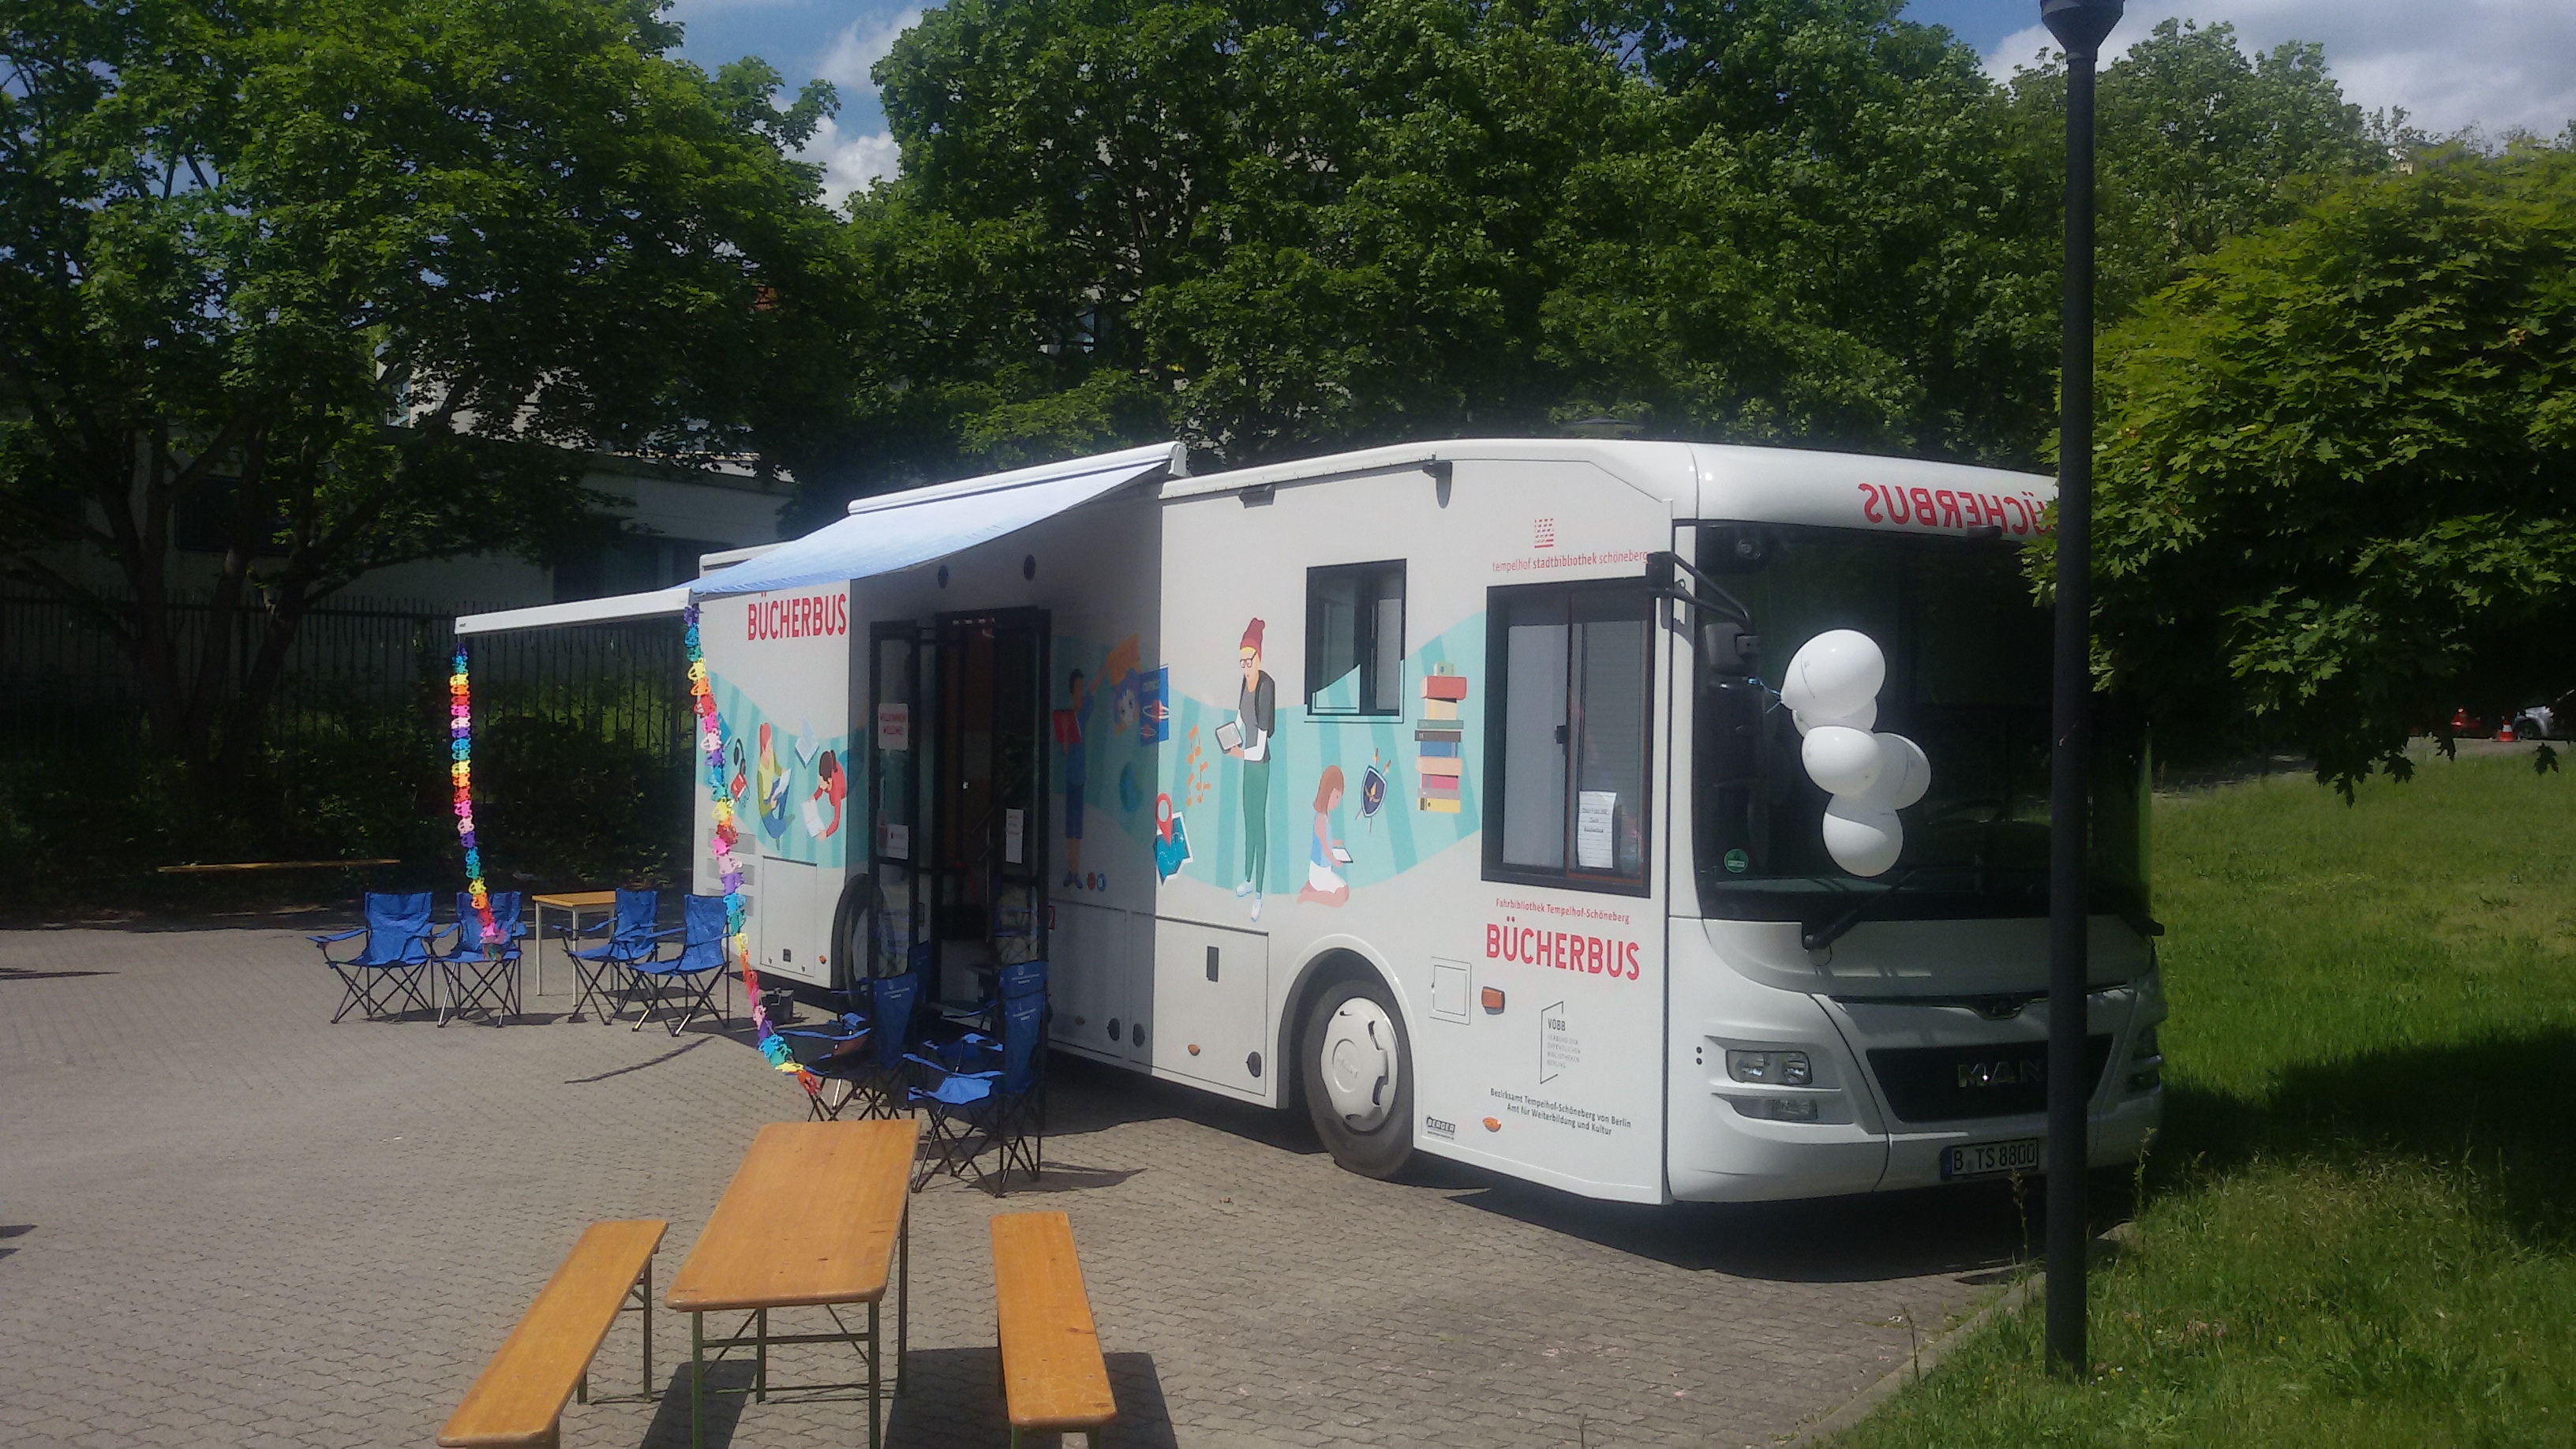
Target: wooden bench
{"points": [[519, 1399], [1053, 1378]]}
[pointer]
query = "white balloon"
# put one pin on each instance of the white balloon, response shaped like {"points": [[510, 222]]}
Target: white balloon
{"points": [[1904, 772], [1835, 673], [1859, 719], [1845, 761], [1863, 836]]}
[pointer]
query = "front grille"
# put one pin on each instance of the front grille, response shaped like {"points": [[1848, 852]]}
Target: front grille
{"points": [[1958, 1083]]}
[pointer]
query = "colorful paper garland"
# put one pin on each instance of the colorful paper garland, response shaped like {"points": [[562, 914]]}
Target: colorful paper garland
{"points": [[711, 740], [460, 769]]}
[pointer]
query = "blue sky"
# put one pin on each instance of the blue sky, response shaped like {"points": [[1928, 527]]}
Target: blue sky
{"points": [[2450, 63]]}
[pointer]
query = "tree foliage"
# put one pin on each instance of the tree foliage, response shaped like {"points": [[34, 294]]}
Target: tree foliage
{"points": [[2338, 487], [346, 280], [1284, 226], [2198, 142]]}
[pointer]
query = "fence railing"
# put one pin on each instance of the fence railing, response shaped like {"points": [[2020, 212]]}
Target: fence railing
{"points": [[362, 663]]}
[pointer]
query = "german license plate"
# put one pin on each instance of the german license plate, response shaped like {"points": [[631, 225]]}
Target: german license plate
{"points": [[1989, 1159]]}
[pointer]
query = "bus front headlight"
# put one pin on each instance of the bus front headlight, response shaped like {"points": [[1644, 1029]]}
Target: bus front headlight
{"points": [[1770, 1069]]}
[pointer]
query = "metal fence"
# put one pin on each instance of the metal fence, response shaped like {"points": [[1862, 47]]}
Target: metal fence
{"points": [[355, 666]]}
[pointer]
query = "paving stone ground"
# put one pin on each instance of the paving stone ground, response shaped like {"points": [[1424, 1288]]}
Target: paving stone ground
{"points": [[224, 1221]]}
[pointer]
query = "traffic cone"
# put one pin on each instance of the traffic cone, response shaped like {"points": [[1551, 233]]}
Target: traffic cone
{"points": [[2504, 733]]}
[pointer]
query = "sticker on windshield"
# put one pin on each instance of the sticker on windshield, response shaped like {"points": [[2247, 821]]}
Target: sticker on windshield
{"points": [[1737, 862]]}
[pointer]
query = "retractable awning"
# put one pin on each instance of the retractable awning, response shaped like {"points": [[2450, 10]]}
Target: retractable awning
{"points": [[903, 530], [655, 603]]}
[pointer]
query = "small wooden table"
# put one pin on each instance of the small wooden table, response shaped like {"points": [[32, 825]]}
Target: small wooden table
{"points": [[815, 1217], [571, 903]]}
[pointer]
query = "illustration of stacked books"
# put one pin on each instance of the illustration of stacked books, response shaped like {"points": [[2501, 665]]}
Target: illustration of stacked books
{"points": [[1438, 742]]}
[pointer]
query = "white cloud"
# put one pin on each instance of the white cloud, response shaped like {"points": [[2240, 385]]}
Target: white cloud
{"points": [[2497, 64], [854, 159], [858, 49], [850, 162]]}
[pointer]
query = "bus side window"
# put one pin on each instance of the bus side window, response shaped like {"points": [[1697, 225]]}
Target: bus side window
{"points": [[1355, 639], [1567, 749]]}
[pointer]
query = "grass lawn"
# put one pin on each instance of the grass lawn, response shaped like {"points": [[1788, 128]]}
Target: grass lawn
{"points": [[2359, 1225]]}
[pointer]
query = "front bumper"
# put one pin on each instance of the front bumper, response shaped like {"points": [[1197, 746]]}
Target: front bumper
{"points": [[1730, 1141]]}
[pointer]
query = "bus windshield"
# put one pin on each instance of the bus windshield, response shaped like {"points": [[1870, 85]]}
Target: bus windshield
{"points": [[1967, 679]]}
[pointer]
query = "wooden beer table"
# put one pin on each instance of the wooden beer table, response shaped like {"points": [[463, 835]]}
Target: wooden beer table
{"points": [[814, 1218]]}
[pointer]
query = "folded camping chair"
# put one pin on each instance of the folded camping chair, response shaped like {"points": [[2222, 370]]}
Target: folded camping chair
{"points": [[477, 974], [392, 958], [606, 971], [981, 1048], [866, 1064], [972, 1111], [689, 976]]}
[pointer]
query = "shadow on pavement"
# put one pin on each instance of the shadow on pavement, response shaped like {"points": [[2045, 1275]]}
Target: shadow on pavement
{"points": [[670, 1426], [1064, 1177], [1969, 1229], [335, 915], [955, 1398], [644, 1065], [1088, 1096]]}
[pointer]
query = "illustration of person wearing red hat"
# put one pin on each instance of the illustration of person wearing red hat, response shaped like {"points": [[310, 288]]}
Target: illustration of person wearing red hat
{"points": [[1254, 711]]}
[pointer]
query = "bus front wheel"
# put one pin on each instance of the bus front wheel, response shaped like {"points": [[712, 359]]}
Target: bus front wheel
{"points": [[1359, 1078]]}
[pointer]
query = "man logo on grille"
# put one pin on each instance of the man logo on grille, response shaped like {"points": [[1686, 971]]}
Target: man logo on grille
{"points": [[2033, 1072]]}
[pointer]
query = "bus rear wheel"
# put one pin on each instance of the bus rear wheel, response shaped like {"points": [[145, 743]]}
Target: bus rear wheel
{"points": [[1359, 1078]]}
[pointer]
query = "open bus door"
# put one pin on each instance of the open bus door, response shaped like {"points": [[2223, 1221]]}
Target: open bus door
{"points": [[898, 831], [986, 874]]}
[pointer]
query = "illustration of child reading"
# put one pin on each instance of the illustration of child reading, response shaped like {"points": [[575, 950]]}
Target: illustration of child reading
{"points": [[834, 786], [1246, 737], [1324, 854], [770, 779]]}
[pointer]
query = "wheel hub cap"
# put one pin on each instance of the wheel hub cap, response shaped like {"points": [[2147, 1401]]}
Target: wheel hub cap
{"points": [[1359, 1064]]}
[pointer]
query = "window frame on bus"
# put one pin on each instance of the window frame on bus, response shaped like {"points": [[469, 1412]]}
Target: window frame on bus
{"points": [[1500, 604], [1368, 643]]}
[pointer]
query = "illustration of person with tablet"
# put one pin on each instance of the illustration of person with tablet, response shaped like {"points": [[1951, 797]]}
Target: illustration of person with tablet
{"points": [[1324, 883], [1247, 738]]}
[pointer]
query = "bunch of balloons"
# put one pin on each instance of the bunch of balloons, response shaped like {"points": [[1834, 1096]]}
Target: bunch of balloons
{"points": [[1831, 689], [460, 769]]}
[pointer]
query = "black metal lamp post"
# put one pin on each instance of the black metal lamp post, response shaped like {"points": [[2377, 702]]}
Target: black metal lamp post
{"points": [[2079, 26]]}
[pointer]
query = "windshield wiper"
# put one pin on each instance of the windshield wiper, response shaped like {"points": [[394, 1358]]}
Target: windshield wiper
{"points": [[1815, 939]]}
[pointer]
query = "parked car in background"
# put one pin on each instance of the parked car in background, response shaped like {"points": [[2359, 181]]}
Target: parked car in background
{"points": [[2546, 721]]}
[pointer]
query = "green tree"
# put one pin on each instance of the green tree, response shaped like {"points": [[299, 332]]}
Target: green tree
{"points": [[2199, 142], [2338, 482], [339, 283], [1279, 227]]}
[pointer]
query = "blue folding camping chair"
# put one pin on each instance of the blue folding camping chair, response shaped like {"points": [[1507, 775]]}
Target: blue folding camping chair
{"points": [[689, 976], [606, 971], [392, 959], [864, 1062], [482, 973], [978, 1045], [997, 1108]]}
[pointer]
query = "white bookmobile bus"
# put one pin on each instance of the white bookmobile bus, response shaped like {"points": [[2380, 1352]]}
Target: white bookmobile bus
{"points": [[1449, 794]]}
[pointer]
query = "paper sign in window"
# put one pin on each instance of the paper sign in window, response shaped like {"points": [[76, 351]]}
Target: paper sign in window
{"points": [[1011, 832], [1594, 814]]}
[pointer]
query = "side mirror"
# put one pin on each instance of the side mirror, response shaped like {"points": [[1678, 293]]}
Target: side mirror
{"points": [[1726, 649]]}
